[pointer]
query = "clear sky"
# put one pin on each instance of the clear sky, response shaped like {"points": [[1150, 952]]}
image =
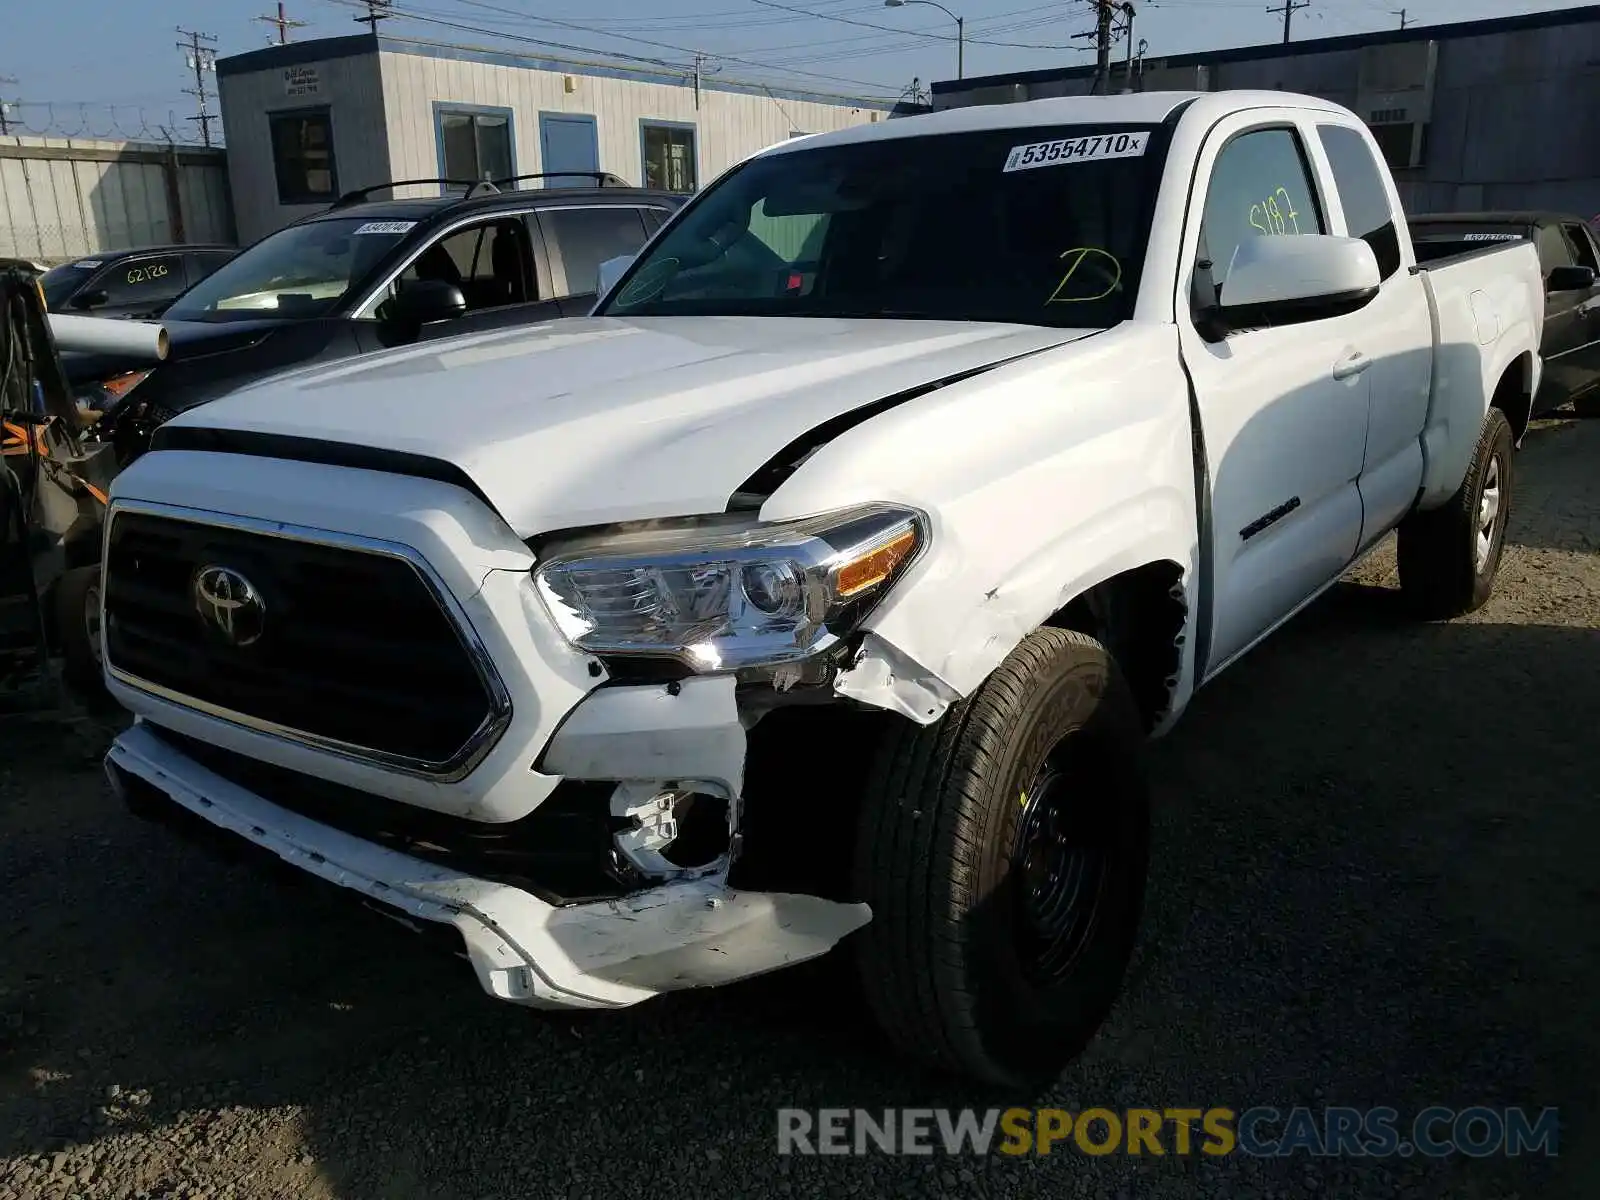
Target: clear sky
{"points": [[85, 56]]}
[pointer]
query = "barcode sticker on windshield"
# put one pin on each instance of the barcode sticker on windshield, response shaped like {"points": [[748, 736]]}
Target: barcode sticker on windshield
{"points": [[87, 264], [385, 227], [1491, 237], [1079, 149]]}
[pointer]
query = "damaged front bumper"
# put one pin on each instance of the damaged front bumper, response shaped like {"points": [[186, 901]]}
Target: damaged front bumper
{"points": [[689, 932]]}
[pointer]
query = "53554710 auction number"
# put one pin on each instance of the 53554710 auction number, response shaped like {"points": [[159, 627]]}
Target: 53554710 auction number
{"points": [[1074, 150]]}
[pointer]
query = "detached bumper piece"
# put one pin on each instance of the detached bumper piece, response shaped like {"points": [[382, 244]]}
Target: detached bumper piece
{"points": [[608, 953]]}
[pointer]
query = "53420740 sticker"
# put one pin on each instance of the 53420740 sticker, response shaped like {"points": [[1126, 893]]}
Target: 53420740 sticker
{"points": [[384, 227], [1075, 150]]}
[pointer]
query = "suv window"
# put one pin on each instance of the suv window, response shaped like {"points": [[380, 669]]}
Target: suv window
{"points": [[583, 238], [142, 280], [486, 261], [1582, 247], [1367, 212], [1260, 187]]}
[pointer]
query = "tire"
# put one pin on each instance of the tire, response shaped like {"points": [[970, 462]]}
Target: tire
{"points": [[952, 969], [1448, 556], [77, 603]]}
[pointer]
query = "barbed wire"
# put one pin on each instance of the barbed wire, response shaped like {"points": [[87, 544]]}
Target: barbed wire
{"points": [[101, 122]]}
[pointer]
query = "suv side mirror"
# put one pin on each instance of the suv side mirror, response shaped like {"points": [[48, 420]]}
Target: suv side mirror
{"points": [[612, 270], [88, 300], [422, 301], [1286, 279], [1569, 279]]}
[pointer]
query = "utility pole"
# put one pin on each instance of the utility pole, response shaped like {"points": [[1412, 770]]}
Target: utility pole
{"points": [[1103, 12], [5, 105], [701, 69], [203, 59], [377, 10], [1288, 8], [1402, 15], [1127, 32], [283, 23]]}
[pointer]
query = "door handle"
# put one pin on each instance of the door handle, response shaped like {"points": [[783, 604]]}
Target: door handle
{"points": [[1352, 363]]}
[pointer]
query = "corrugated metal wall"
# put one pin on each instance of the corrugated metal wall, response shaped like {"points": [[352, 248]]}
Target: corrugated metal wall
{"points": [[729, 125], [348, 87], [62, 199], [1515, 113]]}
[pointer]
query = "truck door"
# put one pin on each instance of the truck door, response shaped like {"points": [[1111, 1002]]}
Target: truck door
{"points": [[1398, 334], [1583, 370], [1283, 409], [1564, 338]]}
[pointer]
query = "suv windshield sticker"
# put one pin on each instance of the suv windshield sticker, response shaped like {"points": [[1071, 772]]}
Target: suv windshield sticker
{"points": [[87, 264], [1081, 149], [1491, 237], [384, 227]]}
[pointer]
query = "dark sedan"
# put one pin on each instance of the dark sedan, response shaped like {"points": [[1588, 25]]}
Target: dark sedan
{"points": [[137, 284]]}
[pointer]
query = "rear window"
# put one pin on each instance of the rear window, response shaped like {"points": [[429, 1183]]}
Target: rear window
{"points": [[1433, 240], [1368, 214]]}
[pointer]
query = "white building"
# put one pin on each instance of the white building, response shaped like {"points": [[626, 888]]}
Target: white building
{"points": [[307, 121]]}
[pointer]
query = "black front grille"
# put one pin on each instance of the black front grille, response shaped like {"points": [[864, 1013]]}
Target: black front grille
{"points": [[351, 645]]}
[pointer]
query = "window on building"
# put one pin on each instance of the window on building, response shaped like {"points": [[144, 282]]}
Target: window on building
{"points": [[302, 157], [1368, 214], [1260, 187], [669, 157], [1395, 142], [475, 145], [586, 237]]}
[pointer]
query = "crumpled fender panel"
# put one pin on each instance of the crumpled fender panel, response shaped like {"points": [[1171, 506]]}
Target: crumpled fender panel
{"points": [[1076, 464]]}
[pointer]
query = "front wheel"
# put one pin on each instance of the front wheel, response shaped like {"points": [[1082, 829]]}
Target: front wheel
{"points": [[1448, 556], [78, 620], [1003, 851]]}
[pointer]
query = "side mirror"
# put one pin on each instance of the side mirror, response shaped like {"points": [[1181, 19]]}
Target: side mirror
{"points": [[612, 270], [1569, 279], [88, 300], [422, 301], [1284, 279]]}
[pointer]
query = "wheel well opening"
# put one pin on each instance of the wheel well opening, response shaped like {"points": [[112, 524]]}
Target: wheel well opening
{"points": [[1140, 617], [1513, 395]]}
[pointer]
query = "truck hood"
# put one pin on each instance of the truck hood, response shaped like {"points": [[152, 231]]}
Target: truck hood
{"points": [[590, 420]]}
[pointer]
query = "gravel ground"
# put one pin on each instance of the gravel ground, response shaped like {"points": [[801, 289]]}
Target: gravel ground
{"points": [[1373, 884]]}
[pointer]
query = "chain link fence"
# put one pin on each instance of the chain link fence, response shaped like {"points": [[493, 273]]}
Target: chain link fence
{"points": [[104, 122]]}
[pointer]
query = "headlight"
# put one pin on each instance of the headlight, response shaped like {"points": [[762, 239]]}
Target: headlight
{"points": [[721, 594]]}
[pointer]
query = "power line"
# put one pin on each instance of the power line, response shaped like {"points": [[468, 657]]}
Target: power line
{"points": [[412, 15], [204, 60], [1288, 8], [283, 23]]}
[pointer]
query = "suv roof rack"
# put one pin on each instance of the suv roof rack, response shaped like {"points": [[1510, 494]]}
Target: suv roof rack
{"points": [[360, 194], [603, 178]]}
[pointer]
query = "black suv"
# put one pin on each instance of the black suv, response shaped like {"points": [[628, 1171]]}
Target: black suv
{"points": [[366, 275], [129, 283]]}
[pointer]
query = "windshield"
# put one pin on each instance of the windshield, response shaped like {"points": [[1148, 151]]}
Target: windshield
{"points": [[60, 282], [1043, 226], [301, 271]]}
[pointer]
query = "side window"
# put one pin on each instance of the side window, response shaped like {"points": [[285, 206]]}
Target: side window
{"points": [[202, 263], [302, 157], [1581, 246], [487, 262], [1553, 248], [583, 238], [669, 157], [141, 280], [1367, 212], [1260, 187], [793, 237]]}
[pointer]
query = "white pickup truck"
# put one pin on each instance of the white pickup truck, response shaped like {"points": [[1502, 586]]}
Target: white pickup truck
{"points": [[828, 579]]}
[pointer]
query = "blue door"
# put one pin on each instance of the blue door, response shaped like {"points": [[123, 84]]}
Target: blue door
{"points": [[569, 142]]}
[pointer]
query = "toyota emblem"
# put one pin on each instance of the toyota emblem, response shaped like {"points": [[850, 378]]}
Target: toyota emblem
{"points": [[230, 604]]}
